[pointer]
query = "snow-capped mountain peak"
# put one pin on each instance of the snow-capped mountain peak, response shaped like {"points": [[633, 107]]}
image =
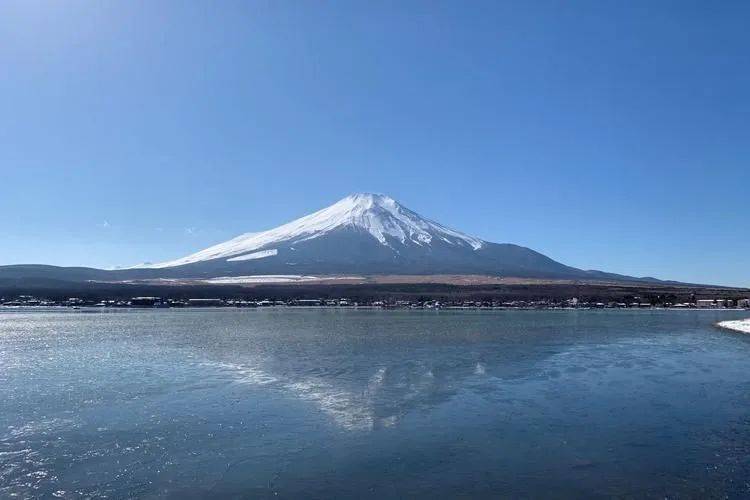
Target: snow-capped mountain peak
{"points": [[380, 216], [386, 219]]}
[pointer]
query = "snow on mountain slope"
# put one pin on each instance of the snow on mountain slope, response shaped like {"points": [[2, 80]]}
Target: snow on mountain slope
{"points": [[387, 221], [255, 255]]}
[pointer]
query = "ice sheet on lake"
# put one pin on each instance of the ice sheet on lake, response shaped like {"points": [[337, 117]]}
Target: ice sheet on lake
{"points": [[739, 325]]}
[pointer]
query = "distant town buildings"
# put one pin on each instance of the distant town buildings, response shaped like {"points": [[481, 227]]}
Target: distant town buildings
{"points": [[145, 301], [206, 302], [708, 304], [569, 303]]}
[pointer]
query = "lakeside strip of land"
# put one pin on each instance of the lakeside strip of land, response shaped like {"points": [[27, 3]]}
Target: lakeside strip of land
{"points": [[739, 325], [535, 293]]}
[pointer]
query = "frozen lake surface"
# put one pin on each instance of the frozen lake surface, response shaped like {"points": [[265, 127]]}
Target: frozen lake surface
{"points": [[328, 403]]}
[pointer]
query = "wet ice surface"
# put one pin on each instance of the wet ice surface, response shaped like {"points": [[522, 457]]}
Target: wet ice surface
{"points": [[298, 403]]}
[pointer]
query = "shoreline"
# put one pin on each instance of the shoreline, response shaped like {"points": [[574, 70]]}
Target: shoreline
{"points": [[91, 308], [737, 325]]}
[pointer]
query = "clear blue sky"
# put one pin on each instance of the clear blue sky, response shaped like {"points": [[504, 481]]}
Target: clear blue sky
{"points": [[608, 135]]}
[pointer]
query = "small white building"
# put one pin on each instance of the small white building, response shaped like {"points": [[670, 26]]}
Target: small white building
{"points": [[707, 304]]}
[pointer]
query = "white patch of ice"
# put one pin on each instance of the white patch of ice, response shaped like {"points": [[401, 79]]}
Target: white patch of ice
{"points": [[255, 255], [740, 325]]}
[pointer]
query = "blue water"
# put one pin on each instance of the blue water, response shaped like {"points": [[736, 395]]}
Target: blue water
{"points": [[363, 403]]}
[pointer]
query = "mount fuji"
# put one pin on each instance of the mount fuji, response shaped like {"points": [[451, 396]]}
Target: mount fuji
{"points": [[363, 234]]}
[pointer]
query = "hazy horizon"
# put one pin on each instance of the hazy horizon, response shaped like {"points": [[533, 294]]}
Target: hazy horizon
{"points": [[605, 136]]}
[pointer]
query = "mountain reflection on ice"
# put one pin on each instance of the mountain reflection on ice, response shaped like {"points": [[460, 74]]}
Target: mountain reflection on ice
{"points": [[389, 393]]}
